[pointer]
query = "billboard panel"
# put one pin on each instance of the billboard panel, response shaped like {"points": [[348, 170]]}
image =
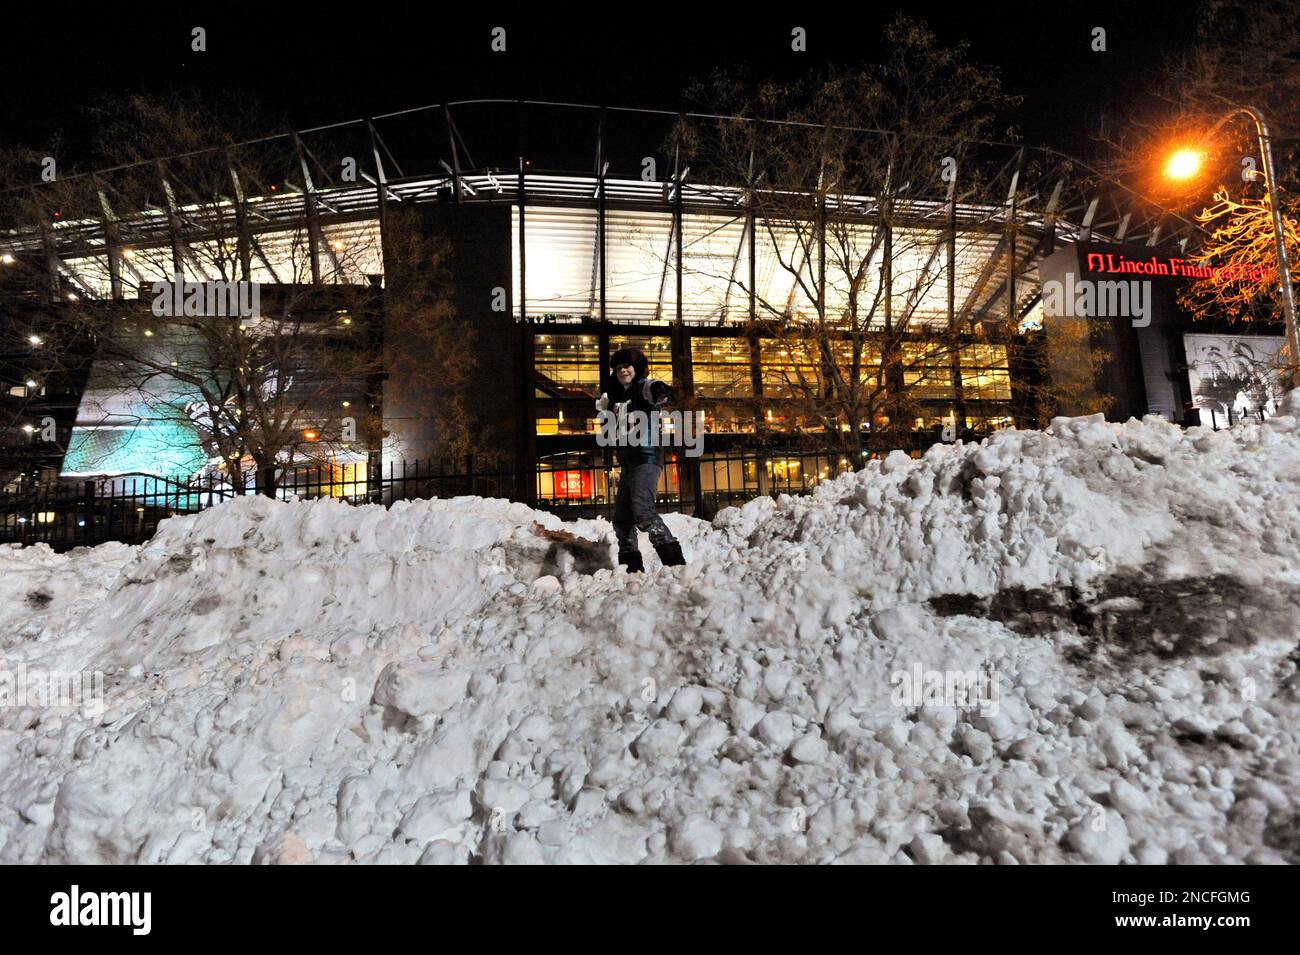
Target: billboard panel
{"points": [[1240, 374]]}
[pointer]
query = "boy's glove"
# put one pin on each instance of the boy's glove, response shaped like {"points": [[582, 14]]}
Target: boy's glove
{"points": [[659, 392], [602, 403]]}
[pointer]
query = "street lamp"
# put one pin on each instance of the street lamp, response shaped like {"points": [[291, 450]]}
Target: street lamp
{"points": [[1186, 162]]}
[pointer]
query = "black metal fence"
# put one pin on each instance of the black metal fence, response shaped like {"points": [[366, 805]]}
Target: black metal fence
{"points": [[128, 508], [1230, 418]]}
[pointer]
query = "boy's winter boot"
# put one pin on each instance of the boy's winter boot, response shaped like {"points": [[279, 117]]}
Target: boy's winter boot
{"points": [[670, 554], [632, 560]]}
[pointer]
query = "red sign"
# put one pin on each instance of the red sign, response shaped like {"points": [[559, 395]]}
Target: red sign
{"points": [[572, 484], [1114, 263]]}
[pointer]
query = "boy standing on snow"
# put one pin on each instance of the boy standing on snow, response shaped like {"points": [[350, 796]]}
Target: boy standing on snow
{"points": [[633, 390]]}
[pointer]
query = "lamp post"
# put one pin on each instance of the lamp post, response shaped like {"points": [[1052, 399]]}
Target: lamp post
{"points": [[1279, 233]]}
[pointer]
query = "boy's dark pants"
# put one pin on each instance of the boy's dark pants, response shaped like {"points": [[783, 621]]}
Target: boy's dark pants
{"points": [[635, 507]]}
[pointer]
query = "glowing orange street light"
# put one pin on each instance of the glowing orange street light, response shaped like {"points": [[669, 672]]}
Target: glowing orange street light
{"points": [[1184, 164]]}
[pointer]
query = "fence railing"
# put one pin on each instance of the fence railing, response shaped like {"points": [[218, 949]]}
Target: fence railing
{"points": [[1228, 418], [128, 508]]}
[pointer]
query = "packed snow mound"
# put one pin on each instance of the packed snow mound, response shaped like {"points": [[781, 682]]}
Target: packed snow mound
{"points": [[1073, 645]]}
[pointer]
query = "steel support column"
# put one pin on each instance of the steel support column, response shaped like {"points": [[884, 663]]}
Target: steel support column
{"points": [[601, 166], [525, 348], [314, 237], [954, 338], [751, 224], [756, 380], [602, 356], [455, 154], [1085, 226], [523, 244], [244, 240], [526, 438], [381, 181], [688, 469], [47, 246], [112, 241], [821, 242], [1013, 230], [173, 221], [677, 222]]}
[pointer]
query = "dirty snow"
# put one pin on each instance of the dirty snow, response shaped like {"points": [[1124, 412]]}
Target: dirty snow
{"points": [[438, 682]]}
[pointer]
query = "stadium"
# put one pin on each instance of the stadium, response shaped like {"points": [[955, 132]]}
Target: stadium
{"points": [[649, 229]]}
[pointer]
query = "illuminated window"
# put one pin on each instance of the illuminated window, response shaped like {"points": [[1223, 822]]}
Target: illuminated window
{"points": [[722, 418], [567, 379], [567, 365], [720, 368], [786, 470], [790, 368], [984, 373], [927, 370], [348, 480]]}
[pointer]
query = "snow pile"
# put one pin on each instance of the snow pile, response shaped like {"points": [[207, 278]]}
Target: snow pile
{"points": [[453, 681]]}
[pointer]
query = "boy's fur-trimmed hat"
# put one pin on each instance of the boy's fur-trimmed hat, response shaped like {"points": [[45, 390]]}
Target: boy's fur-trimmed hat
{"points": [[631, 356]]}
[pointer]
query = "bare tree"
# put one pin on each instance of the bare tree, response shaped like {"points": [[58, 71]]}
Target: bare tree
{"points": [[850, 194], [293, 381], [1240, 259]]}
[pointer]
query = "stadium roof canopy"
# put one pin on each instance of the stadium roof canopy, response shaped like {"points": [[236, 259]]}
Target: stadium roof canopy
{"points": [[288, 206]]}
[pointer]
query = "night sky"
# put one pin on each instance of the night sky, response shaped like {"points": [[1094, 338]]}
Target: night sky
{"points": [[369, 60]]}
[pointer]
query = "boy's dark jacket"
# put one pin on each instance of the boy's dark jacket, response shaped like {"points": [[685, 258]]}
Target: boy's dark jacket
{"points": [[644, 394]]}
